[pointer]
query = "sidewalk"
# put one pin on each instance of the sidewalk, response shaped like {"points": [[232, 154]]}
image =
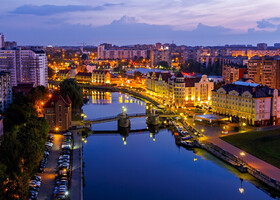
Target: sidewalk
{"points": [[254, 162], [76, 183]]}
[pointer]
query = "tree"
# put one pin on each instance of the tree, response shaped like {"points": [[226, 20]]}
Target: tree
{"points": [[164, 65], [74, 91], [50, 72]]}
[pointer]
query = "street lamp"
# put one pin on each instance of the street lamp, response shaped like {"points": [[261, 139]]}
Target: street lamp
{"points": [[242, 154]]}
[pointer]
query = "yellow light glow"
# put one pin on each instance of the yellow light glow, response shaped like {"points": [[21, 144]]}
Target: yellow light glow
{"points": [[195, 159], [242, 154], [241, 190]]}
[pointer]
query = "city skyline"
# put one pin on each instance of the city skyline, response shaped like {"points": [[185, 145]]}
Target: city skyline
{"points": [[184, 22]]}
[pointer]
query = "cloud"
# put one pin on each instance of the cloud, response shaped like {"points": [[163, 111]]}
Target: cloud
{"points": [[46, 10], [127, 30], [265, 24]]}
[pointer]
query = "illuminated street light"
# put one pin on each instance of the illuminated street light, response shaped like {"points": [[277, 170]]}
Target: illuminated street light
{"points": [[242, 154]]}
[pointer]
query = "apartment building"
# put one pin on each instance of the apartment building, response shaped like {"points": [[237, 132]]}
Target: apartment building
{"points": [[252, 103]]}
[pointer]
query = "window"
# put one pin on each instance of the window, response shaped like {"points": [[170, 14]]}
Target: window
{"points": [[59, 108]]}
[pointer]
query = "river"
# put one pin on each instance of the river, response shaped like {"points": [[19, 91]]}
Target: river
{"points": [[150, 167]]}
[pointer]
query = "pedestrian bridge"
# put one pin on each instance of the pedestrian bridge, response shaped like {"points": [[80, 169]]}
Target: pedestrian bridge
{"points": [[130, 116]]}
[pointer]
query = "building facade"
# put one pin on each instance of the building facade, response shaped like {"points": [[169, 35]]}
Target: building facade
{"points": [[6, 95], [57, 111], [84, 77], [101, 76], [25, 66], [121, 53], [265, 70], [232, 73], [64, 74], [203, 90], [252, 103], [180, 91]]}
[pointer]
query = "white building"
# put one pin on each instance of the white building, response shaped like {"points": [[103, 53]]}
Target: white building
{"points": [[203, 90], [25, 66], [248, 102]]}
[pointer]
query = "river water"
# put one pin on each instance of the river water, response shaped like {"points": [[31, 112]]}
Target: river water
{"points": [[150, 167]]}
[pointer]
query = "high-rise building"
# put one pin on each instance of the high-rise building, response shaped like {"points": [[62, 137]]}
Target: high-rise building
{"points": [[5, 90], [25, 66], [232, 73], [265, 70], [2, 40]]}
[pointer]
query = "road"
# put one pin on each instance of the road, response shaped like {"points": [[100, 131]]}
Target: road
{"points": [[76, 182], [48, 178]]}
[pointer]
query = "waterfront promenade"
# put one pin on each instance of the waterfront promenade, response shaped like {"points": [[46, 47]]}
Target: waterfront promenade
{"points": [[250, 160]]}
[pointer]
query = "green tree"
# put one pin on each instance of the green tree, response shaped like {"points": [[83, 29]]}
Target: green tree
{"points": [[74, 91], [163, 65], [50, 72]]}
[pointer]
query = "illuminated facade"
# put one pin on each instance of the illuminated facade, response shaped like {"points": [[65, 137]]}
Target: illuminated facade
{"points": [[180, 91], [203, 90], [232, 73], [57, 112], [64, 74], [247, 102], [84, 77], [101, 76], [157, 82], [265, 70]]}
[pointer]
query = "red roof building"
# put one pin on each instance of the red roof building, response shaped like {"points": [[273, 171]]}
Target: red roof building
{"points": [[57, 111]]}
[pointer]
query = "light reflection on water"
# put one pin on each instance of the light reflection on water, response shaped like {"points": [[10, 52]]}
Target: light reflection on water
{"points": [[151, 166]]}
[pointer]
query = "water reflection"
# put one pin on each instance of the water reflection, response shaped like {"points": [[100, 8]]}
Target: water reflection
{"points": [[132, 166]]}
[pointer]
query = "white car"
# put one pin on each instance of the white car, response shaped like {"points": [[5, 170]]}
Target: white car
{"points": [[49, 144]]}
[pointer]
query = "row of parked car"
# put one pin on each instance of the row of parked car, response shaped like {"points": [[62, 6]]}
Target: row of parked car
{"points": [[61, 189], [35, 183]]}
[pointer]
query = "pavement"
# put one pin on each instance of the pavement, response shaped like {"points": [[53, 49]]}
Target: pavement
{"points": [[48, 178], [264, 167], [76, 182]]}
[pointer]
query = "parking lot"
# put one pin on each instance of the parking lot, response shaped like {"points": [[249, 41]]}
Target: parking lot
{"points": [[48, 178]]}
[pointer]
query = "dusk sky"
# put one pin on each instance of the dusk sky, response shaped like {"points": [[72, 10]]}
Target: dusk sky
{"points": [[189, 22]]}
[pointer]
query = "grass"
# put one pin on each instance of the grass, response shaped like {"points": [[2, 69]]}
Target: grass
{"points": [[262, 144]]}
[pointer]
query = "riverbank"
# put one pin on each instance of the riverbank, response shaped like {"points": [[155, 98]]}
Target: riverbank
{"points": [[208, 144], [262, 144], [77, 167]]}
